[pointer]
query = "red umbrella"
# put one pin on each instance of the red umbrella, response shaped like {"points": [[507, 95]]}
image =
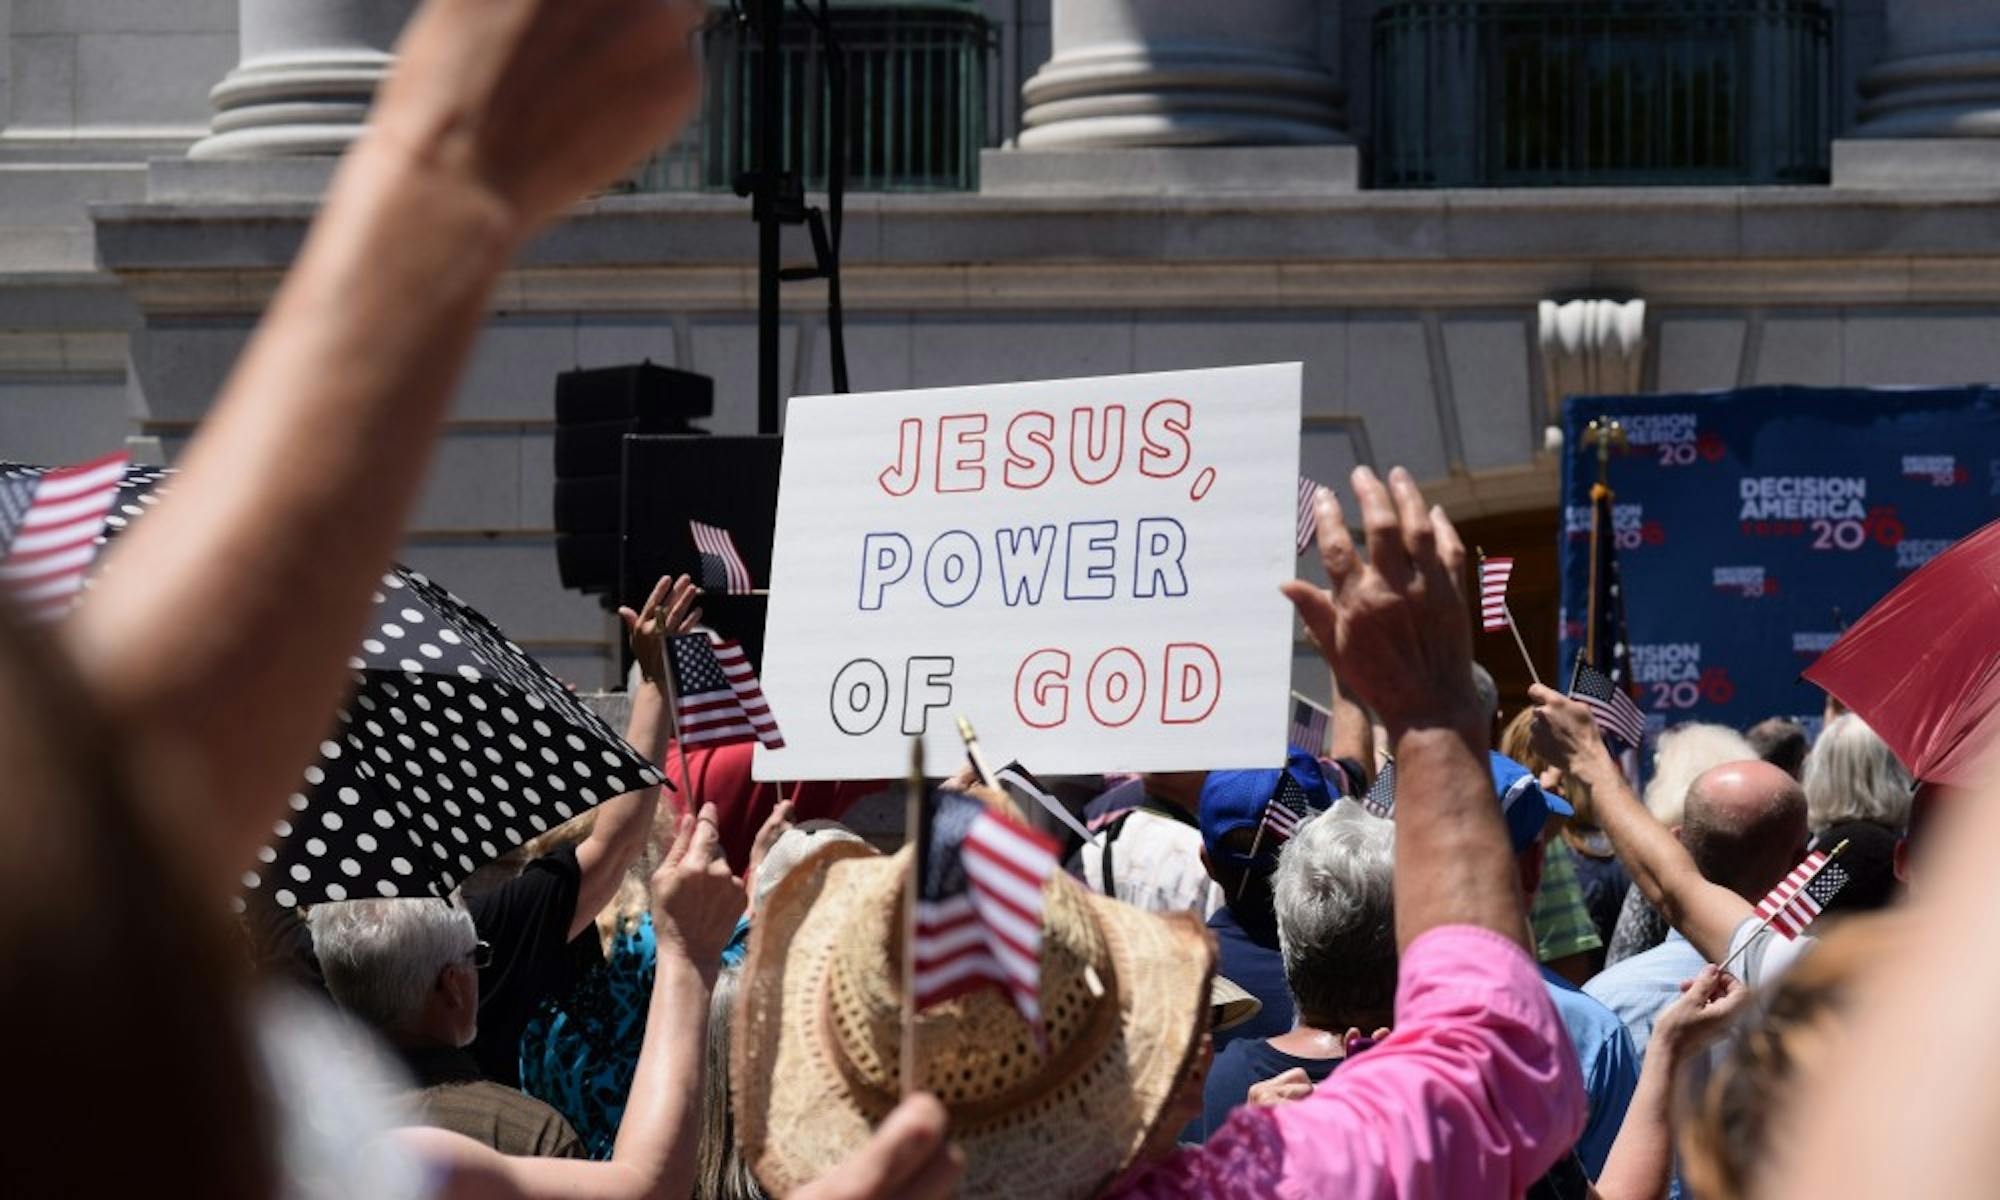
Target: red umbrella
{"points": [[1923, 666]]}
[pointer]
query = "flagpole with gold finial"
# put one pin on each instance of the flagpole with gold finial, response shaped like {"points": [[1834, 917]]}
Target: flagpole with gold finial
{"points": [[1602, 433]]}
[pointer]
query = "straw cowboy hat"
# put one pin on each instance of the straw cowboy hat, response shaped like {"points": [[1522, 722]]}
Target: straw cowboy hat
{"points": [[815, 1056]]}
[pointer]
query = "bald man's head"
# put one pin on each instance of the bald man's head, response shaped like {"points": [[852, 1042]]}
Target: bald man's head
{"points": [[1745, 826]]}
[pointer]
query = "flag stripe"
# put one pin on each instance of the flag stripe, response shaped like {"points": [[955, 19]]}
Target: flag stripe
{"points": [[711, 539], [1493, 576], [1308, 521], [54, 534]]}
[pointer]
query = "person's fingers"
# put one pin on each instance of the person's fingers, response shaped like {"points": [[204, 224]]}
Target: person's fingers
{"points": [[1412, 514], [683, 834], [1336, 545], [1543, 695], [630, 618], [1380, 524], [939, 1177], [1381, 1033], [901, 1158], [1450, 547], [1315, 609], [702, 842]]}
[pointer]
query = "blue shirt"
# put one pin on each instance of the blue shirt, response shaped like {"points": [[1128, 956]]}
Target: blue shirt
{"points": [[1610, 1066], [1639, 987], [1253, 964]]}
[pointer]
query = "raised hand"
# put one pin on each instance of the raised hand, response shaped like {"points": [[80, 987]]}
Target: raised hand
{"points": [[695, 899], [907, 1159], [1708, 1005], [1564, 732], [1395, 627], [768, 833], [537, 102], [1292, 1085], [669, 611]]}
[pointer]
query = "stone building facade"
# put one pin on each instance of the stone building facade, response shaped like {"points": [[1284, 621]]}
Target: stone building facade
{"points": [[1181, 184]]}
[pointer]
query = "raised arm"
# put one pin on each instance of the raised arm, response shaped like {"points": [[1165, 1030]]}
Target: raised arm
{"points": [[223, 621], [625, 822], [1641, 1165], [695, 906], [1353, 727], [1396, 629], [1706, 913]]}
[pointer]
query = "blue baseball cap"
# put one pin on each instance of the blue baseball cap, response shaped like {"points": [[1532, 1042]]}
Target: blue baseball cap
{"points": [[1233, 800], [1525, 804]]}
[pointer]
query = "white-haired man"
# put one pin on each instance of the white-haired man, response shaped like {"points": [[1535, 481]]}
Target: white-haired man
{"points": [[410, 969]]}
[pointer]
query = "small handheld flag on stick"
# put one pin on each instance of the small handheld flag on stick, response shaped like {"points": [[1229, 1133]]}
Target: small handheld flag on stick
{"points": [[717, 698], [1609, 705], [1799, 897], [1310, 724], [1493, 611], [1308, 523], [49, 530], [980, 879], [722, 566], [1284, 812]]}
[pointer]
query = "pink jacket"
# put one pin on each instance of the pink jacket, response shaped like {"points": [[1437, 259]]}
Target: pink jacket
{"points": [[1476, 1094]]}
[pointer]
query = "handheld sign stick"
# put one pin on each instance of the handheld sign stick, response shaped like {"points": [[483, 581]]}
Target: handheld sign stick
{"points": [[978, 756], [918, 833]]}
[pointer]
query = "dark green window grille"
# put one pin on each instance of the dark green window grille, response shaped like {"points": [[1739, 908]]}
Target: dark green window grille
{"points": [[1555, 93], [918, 102]]}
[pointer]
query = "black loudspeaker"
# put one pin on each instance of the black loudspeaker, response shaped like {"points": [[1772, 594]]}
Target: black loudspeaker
{"points": [[728, 482], [595, 410]]}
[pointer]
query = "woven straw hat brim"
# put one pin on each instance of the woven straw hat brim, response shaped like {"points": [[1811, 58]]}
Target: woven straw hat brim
{"points": [[797, 1116]]}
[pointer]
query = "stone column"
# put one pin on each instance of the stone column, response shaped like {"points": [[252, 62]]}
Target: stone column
{"points": [[309, 69], [1140, 73], [1940, 72]]}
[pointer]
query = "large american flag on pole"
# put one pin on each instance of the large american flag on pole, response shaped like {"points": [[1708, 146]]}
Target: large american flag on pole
{"points": [[718, 698], [50, 525], [1307, 521], [722, 567], [1493, 576], [1609, 704], [978, 916], [1803, 894]]}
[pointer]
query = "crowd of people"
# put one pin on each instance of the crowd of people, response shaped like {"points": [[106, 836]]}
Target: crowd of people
{"points": [[1525, 979]]}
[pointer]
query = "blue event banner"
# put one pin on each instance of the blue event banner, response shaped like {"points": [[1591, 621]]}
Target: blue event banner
{"points": [[1754, 525]]}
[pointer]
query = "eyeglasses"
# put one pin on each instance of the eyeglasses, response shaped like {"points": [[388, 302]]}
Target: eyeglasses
{"points": [[481, 955]]}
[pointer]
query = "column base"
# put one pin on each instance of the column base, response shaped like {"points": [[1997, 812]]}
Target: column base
{"points": [[1172, 170], [1916, 162], [285, 107], [1190, 94]]}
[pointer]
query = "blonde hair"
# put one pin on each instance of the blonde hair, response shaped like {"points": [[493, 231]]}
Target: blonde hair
{"points": [[1852, 775], [720, 1172], [1684, 753]]}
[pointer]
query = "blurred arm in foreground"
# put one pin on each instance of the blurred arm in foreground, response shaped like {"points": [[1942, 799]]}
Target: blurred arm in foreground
{"points": [[222, 622]]}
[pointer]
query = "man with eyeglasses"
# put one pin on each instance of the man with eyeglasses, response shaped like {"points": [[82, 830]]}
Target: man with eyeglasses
{"points": [[410, 969]]}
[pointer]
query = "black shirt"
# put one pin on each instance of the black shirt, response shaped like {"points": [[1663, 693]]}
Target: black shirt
{"points": [[1247, 955], [1237, 1066], [526, 920]]}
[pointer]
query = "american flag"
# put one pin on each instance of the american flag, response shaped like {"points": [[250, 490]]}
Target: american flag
{"points": [[1493, 575], [720, 701], [1803, 894], [1310, 724], [1609, 704], [1307, 522], [978, 917], [749, 692], [722, 568], [1381, 798], [1286, 810], [50, 525]]}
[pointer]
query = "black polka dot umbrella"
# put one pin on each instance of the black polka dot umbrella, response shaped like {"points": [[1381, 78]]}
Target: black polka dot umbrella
{"points": [[454, 748]]}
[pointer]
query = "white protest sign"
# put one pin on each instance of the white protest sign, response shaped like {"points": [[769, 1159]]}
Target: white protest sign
{"points": [[1086, 569]]}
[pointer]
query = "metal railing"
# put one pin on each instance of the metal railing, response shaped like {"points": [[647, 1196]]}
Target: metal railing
{"points": [[1554, 93], [918, 103]]}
